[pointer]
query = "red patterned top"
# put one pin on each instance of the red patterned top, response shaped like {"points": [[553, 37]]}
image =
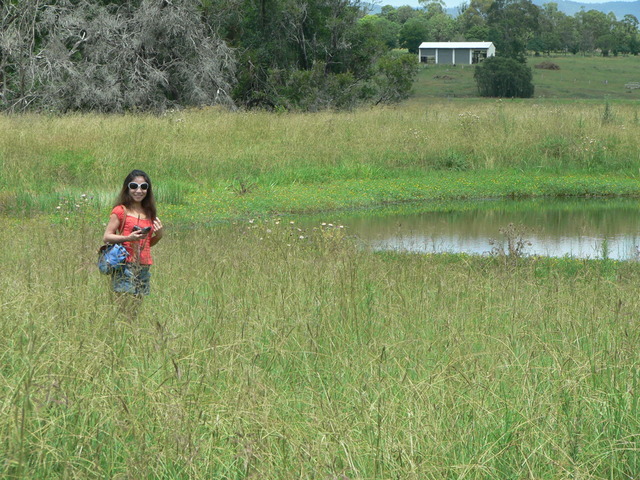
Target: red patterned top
{"points": [[138, 251]]}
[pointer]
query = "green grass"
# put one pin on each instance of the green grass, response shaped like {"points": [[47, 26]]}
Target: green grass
{"points": [[265, 355], [355, 194], [579, 78], [224, 165]]}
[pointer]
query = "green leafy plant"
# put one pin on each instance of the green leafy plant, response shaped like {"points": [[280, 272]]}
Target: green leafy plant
{"points": [[504, 77]]}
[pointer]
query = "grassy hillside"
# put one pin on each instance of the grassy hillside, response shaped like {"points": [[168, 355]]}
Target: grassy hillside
{"points": [[579, 77]]}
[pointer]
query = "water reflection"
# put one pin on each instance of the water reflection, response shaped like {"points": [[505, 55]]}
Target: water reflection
{"points": [[586, 228]]}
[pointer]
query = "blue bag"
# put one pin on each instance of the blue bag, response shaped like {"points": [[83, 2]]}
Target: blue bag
{"points": [[111, 257]]}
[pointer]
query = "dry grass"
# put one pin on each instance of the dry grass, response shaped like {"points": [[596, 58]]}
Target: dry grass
{"points": [[265, 355]]}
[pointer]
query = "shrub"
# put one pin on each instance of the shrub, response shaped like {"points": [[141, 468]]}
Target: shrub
{"points": [[395, 77], [504, 77], [546, 65]]}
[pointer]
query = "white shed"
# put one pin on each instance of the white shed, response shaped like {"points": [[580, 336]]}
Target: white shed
{"points": [[455, 53]]}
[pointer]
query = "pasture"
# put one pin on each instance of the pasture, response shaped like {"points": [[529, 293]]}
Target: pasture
{"points": [[578, 78]]}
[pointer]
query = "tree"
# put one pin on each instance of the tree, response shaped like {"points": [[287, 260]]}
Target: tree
{"points": [[119, 55], [413, 33], [473, 15], [625, 33], [381, 29], [388, 12], [441, 27], [512, 24], [19, 35], [278, 37], [548, 38], [630, 28], [433, 7], [592, 26], [396, 75], [111, 56], [406, 13], [478, 33], [568, 32], [504, 77]]}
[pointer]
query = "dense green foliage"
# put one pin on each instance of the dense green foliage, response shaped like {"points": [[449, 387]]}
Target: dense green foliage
{"points": [[113, 56], [511, 23], [516, 25], [504, 77]]}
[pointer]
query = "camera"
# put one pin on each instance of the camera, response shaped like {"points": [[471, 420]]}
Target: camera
{"points": [[142, 230]]}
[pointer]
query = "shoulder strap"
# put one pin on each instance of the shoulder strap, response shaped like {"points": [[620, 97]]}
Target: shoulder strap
{"points": [[124, 219]]}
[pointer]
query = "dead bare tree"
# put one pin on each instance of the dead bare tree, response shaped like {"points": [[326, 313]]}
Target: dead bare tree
{"points": [[18, 36], [118, 57]]}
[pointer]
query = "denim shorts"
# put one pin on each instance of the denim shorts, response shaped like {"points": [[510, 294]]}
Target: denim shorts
{"points": [[131, 278]]}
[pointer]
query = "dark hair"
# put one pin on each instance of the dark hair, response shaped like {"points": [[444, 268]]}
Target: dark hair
{"points": [[148, 203]]}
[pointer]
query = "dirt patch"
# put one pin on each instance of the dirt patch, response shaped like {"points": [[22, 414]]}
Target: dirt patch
{"points": [[443, 77]]}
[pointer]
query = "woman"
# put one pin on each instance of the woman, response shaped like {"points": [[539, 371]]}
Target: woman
{"points": [[133, 223]]}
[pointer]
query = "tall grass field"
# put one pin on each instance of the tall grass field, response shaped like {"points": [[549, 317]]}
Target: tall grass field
{"points": [[210, 164], [269, 350]]}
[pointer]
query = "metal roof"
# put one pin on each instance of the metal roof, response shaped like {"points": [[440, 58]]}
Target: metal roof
{"points": [[456, 44]]}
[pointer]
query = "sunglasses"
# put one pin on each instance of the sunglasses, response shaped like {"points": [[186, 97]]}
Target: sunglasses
{"points": [[135, 186]]}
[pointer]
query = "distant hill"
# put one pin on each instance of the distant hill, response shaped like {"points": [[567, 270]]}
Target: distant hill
{"points": [[620, 9]]}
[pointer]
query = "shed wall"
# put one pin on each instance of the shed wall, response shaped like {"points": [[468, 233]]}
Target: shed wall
{"points": [[445, 56], [463, 56]]}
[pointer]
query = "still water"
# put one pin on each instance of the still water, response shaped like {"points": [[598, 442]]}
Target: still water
{"points": [[583, 228]]}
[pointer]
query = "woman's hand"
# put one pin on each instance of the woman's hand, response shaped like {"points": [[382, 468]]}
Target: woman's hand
{"points": [[137, 235], [158, 230]]}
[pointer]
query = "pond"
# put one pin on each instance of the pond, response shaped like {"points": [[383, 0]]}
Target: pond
{"points": [[580, 228]]}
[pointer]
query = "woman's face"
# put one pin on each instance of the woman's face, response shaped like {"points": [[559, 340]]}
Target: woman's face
{"points": [[138, 189]]}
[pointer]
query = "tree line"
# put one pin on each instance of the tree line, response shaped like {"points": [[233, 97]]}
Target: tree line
{"points": [[513, 26], [150, 55]]}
